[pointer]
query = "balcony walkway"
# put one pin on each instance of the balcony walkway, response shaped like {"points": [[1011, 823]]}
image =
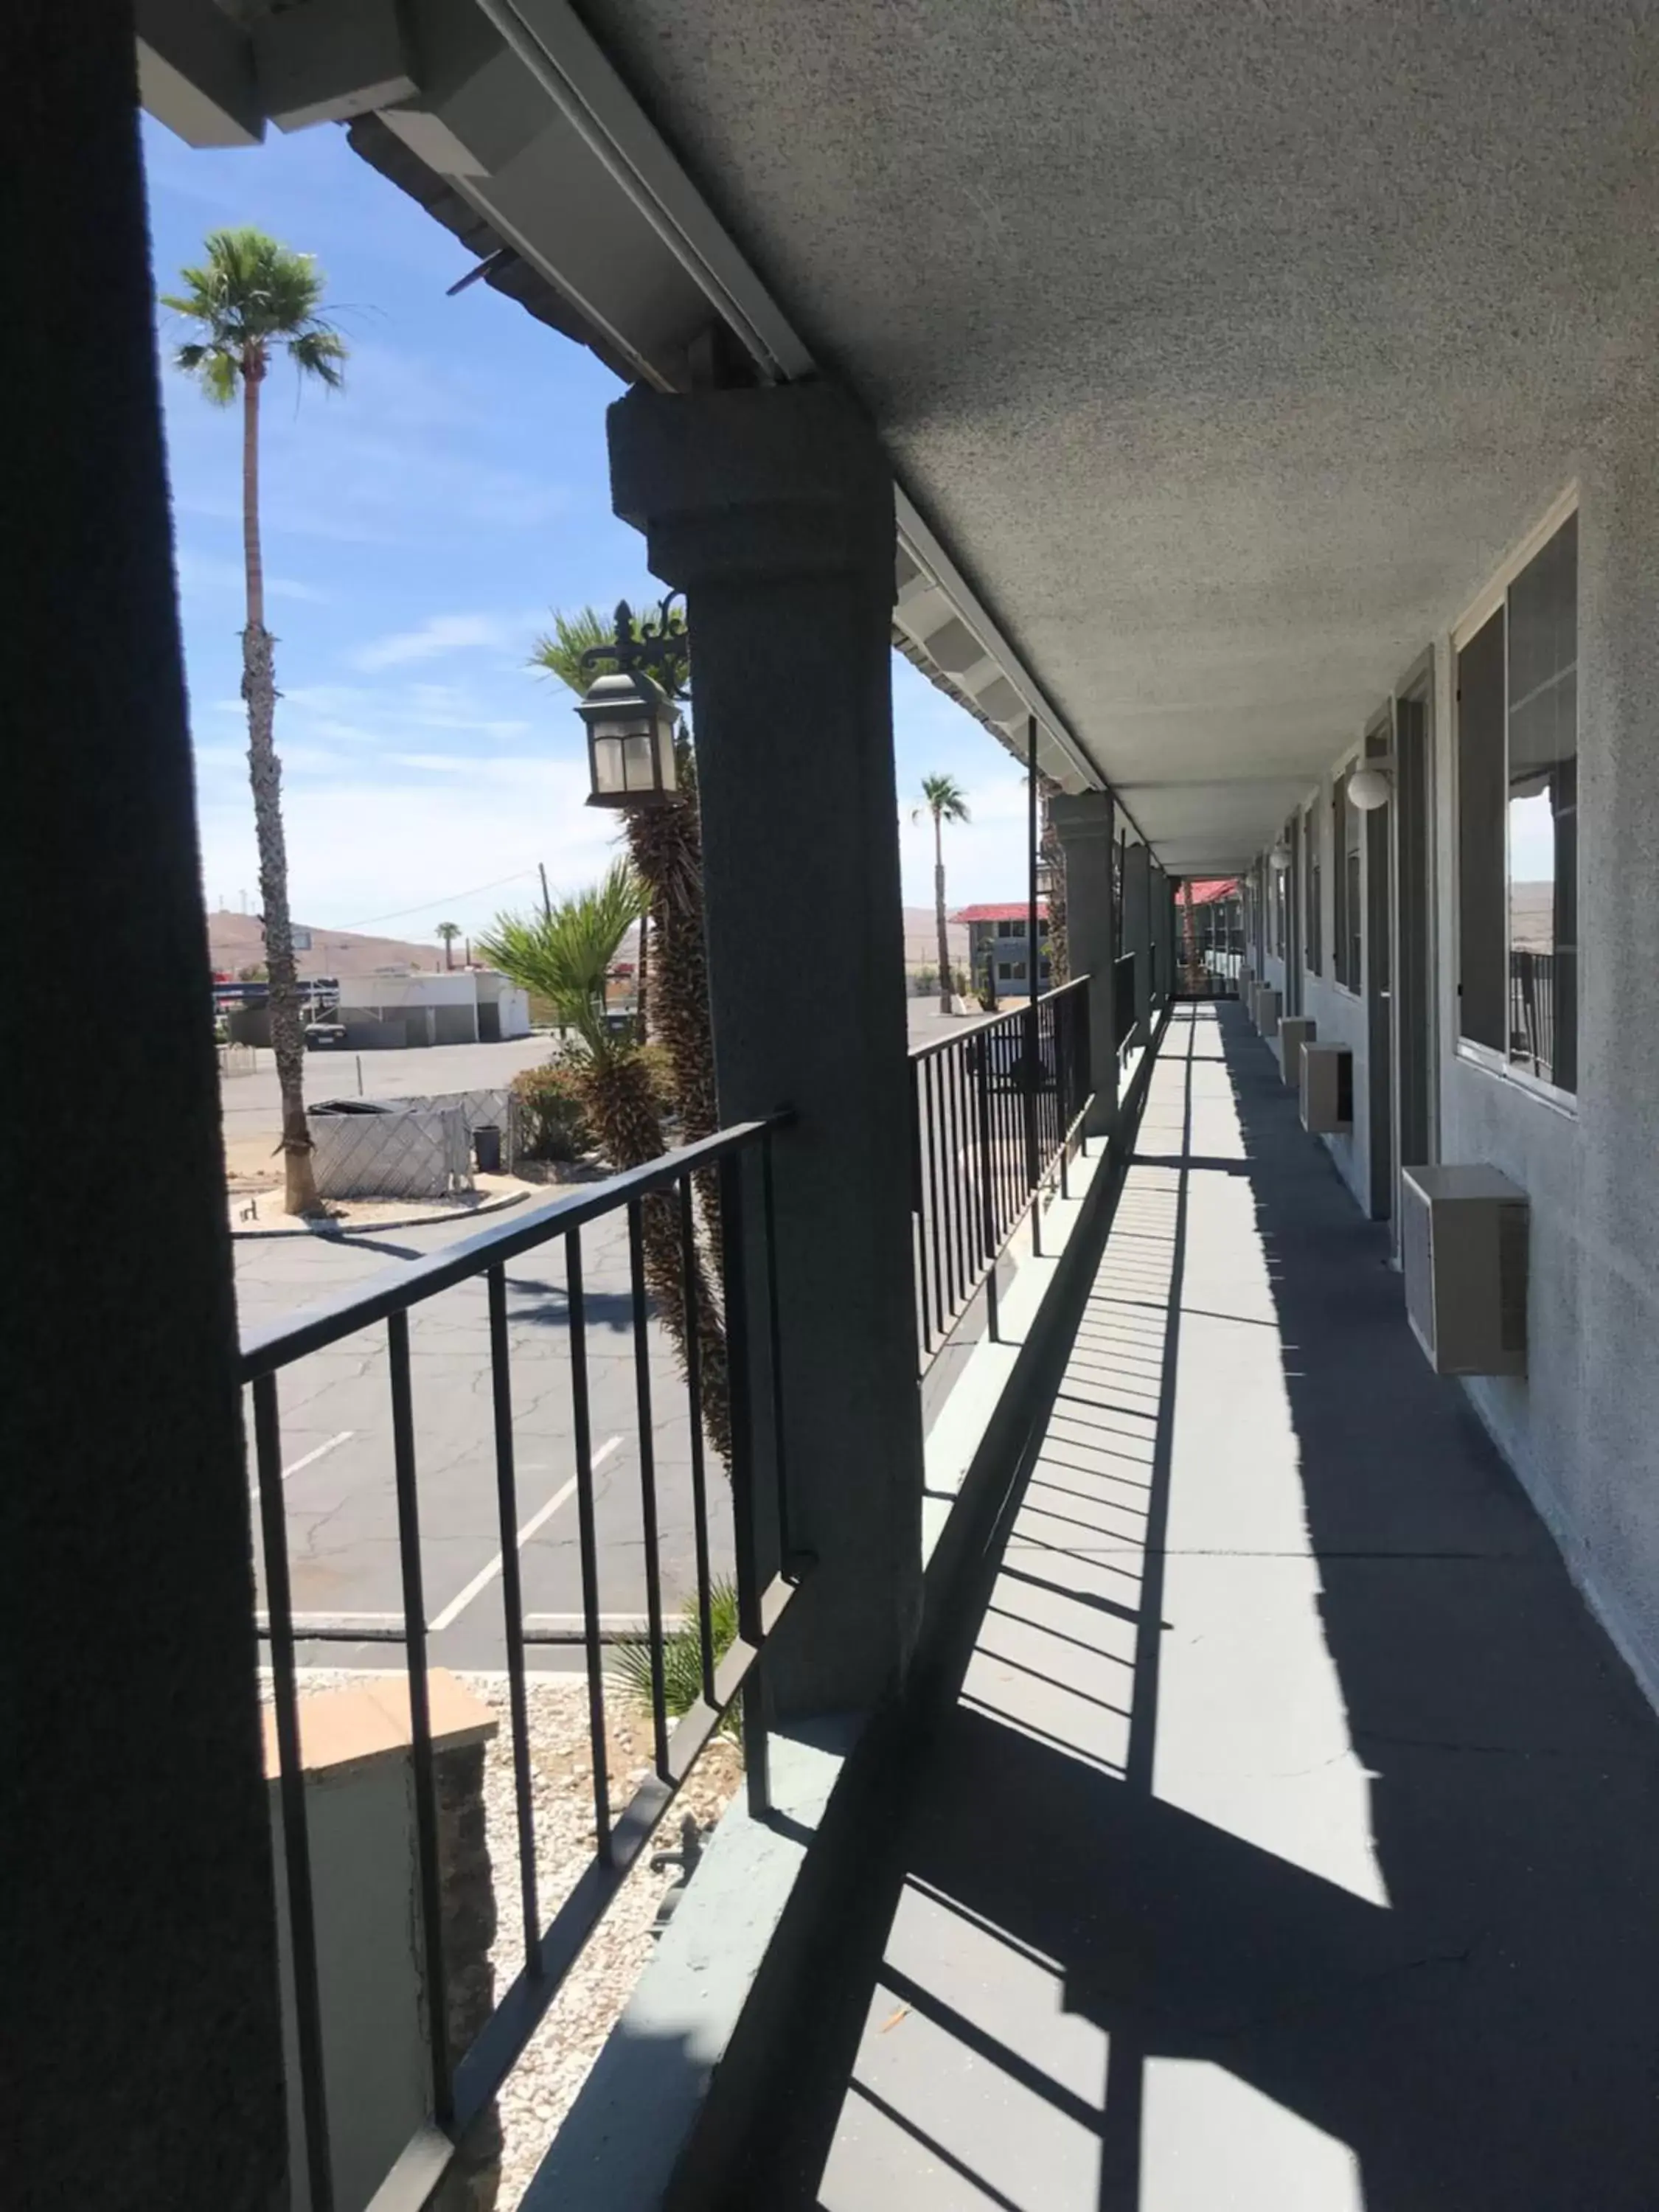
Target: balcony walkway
{"points": [[1291, 1843]]}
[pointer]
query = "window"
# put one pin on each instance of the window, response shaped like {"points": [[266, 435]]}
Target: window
{"points": [[1346, 941], [1277, 896], [1517, 827], [1313, 887], [1009, 929]]}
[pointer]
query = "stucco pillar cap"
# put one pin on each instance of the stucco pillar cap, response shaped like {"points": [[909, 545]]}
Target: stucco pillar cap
{"points": [[783, 479]]}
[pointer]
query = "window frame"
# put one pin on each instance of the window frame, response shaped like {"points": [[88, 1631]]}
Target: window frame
{"points": [[1312, 889], [1343, 933], [1492, 596]]}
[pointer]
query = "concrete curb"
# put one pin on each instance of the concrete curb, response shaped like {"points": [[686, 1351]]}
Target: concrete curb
{"points": [[338, 1232]]}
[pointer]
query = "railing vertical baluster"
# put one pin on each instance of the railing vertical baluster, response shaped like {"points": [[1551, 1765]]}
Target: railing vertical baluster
{"points": [[647, 1484], [587, 1538], [938, 1075], [935, 1213], [966, 1271], [693, 1306], [296, 1843], [420, 1707], [988, 1203], [756, 1758], [1060, 1028], [774, 1351], [919, 1207], [506, 1502]]}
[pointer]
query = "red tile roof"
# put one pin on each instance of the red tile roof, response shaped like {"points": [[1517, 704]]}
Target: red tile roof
{"points": [[1207, 892], [1012, 910]]}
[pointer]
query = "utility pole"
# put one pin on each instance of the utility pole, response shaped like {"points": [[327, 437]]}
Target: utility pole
{"points": [[547, 903]]}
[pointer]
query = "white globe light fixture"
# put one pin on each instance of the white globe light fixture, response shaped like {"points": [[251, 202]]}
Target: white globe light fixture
{"points": [[1279, 859], [1369, 788]]}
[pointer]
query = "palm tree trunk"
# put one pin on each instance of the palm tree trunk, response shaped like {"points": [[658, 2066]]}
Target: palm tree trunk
{"points": [[665, 845], [618, 1097], [642, 976], [1054, 853], [265, 775], [938, 915]]}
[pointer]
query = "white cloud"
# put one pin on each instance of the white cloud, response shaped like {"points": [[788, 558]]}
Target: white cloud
{"points": [[374, 843], [438, 635], [215, 573]]}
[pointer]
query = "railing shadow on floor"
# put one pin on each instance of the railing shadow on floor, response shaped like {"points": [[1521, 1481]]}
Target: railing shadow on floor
{"points": [[1050, 1942]]}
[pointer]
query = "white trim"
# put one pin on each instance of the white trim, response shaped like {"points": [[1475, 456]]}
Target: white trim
{"points": [[1487, 602], [1488, 1058], [1475, 1055]]}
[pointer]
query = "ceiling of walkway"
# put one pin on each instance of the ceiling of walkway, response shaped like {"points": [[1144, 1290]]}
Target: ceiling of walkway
{"points": [[1229, 346], [1222, 350]]}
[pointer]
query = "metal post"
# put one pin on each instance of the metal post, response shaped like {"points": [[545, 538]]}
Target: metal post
{"points": [[1033, 969]]}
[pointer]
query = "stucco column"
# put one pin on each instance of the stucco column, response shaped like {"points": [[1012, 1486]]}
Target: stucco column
{"points": [[1163, 933], [1137, 932], [1084, 825], [773, 510], [141, 1956]]}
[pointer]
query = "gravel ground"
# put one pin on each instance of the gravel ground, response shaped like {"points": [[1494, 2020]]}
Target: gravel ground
{"points": [[542, 2088]]}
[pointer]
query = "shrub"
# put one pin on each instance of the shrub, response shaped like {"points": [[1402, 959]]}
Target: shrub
{"points": [[682, 1656], [552, 1117]]}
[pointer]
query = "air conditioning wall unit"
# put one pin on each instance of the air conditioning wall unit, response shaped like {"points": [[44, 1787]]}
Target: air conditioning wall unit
{"points": [[1294, 1031], [1268, 1004], [1327, 1089], [1464, 1235]]}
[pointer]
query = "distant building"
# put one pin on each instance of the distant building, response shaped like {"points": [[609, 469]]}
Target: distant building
{"points": [[997, 934]]}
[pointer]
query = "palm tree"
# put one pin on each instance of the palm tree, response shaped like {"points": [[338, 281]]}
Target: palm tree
{"points": [[942, 797], [249, 298], [562, 955], [448, 931]]}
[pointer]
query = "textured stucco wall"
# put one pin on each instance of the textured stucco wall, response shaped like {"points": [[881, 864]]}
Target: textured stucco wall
{"points": [[1581, 1429]]}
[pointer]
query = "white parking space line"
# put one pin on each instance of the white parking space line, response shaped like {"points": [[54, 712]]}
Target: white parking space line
{"points": [[310, 1458], [486, 1575]]}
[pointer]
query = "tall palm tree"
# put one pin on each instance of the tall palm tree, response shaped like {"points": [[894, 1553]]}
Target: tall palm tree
{"points": [[249, 299], [942, 797], [563, 954], [448, 932]]}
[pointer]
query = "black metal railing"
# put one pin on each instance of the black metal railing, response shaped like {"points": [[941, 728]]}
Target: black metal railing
{"points": [[1125, 1000], [996, 1110], [1532, 1011], [1218, 959], [737, 1163]]}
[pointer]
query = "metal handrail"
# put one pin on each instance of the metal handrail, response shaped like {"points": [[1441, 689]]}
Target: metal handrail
{"points": [[396, 1288], [463, 2083], [984, 1021]]}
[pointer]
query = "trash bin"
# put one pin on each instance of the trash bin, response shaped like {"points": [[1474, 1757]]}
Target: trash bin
{"points": [[487, 1148]]}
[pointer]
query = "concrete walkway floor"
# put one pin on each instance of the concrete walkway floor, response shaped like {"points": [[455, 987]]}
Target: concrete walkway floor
{"points": [[1293, 1843]]}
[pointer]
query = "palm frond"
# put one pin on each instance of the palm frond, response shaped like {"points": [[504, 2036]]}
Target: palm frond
{"points": [[558, 651], [563, 956], [682, 1655], [943, 797], [252, 293], [319, 352]]}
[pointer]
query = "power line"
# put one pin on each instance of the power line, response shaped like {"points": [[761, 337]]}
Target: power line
{"points": [[449, 898]]}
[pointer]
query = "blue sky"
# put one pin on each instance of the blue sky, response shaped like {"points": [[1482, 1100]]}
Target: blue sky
{"points": [[418, 527]]}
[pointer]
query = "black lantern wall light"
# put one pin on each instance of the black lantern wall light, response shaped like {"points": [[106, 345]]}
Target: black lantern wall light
{"points": [[629, 714]]}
